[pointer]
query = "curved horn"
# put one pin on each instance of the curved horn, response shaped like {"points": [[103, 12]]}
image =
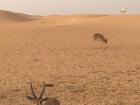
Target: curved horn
{"points": [[33, 91], [42, 90]]}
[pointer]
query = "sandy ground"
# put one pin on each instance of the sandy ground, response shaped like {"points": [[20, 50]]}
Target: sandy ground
{"points": [[60, 50]]}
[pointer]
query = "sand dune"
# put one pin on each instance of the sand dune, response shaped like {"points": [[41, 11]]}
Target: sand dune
{"points": [[6, 17], [58, 20], [60, 50], [69, 19]]}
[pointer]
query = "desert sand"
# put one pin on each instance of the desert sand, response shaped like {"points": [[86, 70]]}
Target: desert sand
{"points": [[60, 50]]}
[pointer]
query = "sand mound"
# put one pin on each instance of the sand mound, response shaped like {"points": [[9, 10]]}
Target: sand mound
{"points": [[6, 16], [69, 19]]}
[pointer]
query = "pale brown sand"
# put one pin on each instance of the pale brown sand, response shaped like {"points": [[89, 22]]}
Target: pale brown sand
{"points": [[7, 17], [59, 50]]}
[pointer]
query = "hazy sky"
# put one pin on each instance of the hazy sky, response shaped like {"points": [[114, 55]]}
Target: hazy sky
{"points": [[47, 7]]}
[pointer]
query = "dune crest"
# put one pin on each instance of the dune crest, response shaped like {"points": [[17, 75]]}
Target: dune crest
{"points": [[6, 17], [69, 19]]}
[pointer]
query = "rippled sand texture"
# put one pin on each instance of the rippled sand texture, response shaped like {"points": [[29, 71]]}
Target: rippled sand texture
{"points": [[60, 50]]}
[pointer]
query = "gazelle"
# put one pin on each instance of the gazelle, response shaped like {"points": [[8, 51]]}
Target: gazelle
{"points": [[40, 100], [100, 37]]}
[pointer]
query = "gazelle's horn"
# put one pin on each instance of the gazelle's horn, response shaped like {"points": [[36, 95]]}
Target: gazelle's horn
{"points": [[33, 91], [44, 86]]}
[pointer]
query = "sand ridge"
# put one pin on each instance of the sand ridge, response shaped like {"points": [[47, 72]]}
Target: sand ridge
{"points": [[7, 16]]}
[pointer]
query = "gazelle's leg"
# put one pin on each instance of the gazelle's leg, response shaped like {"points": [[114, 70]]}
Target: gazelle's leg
{"points": [[93, 41], [100, 42]]}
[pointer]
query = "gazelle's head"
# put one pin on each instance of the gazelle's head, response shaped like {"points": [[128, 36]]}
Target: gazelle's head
{"points": [[37, 100], [105, 40]]}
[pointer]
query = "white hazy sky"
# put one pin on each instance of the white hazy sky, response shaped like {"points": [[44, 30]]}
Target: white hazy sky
{"points": [[47, 7]]}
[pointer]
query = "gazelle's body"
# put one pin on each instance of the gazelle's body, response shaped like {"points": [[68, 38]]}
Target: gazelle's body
{"points": [[43, 101], [100, 37], [123, 11], [51, 101]]}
